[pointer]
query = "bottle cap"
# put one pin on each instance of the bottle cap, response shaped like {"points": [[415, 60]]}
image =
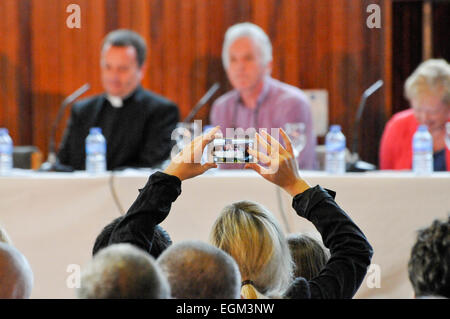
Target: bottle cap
{"points": [[335, 128], [423, 128], [95, 130], [4, 131]]}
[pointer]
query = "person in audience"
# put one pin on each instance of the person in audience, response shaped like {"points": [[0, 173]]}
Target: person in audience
{"points": [[428, 92], [253, 237], [350, 251], [16, 276], [308, 254], [137, 124], [123, 271], [155, 199], [197, 270], [258, 100], [161, 239], [429, 263]]}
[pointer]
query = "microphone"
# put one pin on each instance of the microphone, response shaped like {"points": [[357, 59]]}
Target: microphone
{"points": [[202, 102], [52, 164], [355, 164]]}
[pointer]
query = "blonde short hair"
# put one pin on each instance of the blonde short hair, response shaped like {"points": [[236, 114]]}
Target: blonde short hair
{"points": [[430, 77], [252, 236]]}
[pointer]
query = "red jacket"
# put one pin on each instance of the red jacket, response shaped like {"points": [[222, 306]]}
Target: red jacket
{"points": [[396, 142]]}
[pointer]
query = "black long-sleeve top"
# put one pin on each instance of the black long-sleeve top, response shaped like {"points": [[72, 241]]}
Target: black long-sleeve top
{"points": [[350, 251], [149, 209]]}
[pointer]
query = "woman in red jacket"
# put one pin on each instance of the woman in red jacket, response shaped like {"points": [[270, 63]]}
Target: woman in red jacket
{"points": [[428, 92]]}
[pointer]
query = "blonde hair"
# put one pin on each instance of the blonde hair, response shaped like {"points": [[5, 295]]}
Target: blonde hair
{"points": [[430, 77], [252, 236]]}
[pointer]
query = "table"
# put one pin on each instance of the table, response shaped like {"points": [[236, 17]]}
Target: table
{"points": [[54, 218]]}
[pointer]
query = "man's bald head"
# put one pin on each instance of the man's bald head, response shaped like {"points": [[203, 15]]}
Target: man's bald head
{"points": [[16, 276]]}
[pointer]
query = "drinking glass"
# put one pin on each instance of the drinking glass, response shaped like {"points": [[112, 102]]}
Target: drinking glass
{"points": [[296, 132], [185, 133]]}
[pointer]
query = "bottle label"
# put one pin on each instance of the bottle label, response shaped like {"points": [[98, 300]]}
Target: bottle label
{"points": [[422, 147], [6, 149], [95, 148], [335, 147]]}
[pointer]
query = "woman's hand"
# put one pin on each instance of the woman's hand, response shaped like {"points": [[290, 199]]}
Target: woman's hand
{"points": [[187, 163], [282, 167]]}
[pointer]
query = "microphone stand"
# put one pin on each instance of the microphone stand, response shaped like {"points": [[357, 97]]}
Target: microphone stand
{"points": [[355, 164], [52, 164], [202, 102]]}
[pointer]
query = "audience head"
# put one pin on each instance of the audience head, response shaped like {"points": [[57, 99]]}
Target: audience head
{"points": [[197, 270], [309, 255], [16, 276], [161, 239], [428, 91], [122, 62], [253, 237], [246, 55], [122, 271], [429, 264]]}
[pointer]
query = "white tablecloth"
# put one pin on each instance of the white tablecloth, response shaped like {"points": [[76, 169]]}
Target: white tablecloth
{"points": [[54, 218]]}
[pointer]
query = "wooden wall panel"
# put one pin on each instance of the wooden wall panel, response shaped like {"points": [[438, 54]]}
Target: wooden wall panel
{"points": [[15, 81], [316, 44]]}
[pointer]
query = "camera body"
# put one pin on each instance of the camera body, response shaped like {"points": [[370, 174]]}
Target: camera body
{"points": [[232, 151]]}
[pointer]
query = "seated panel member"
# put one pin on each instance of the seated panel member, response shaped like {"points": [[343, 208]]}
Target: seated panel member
{"points": [[428, 92], [137, 124], [257, 100]]}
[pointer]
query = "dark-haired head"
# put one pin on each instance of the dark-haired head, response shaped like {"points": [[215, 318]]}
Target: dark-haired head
{"points": [[429, 264], [125, 38], [161, 239]]}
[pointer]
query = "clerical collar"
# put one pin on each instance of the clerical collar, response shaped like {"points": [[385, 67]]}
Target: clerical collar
{"points": [[117, 101]]}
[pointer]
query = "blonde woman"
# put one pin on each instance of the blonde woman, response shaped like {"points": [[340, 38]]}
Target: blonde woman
{"points": [[250, 234]]}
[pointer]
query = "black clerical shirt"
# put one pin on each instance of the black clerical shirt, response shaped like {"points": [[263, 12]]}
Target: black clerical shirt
{"points": [[138, 134]]}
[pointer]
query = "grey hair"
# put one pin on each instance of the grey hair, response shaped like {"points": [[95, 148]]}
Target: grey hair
{"points": [[197, 270], [124, 38], [251, 31], [431, 76], [122, 271], [252, 236]]}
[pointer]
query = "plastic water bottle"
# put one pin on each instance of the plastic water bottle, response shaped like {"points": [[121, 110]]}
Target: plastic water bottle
{"points": [[335, 151], [95, 151], [6, 151], [422, 151]]}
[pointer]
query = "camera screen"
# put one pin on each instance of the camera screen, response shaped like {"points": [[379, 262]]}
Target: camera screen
{"points": [[232, 151]]}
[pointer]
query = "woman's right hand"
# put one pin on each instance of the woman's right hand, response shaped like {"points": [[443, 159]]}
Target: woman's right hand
{"points": [[187, 163]]}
